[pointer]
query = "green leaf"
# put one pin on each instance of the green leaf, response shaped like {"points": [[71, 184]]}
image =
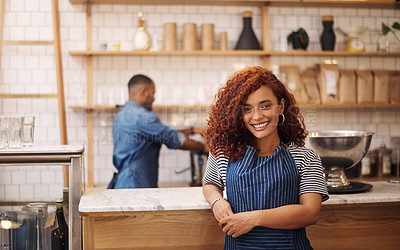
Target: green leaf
{"points": [[303, 38], [396, 26], [385, 29]]}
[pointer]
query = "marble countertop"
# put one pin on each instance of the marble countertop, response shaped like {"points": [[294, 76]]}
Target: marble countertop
{"points": [[44, 149], [189, 198]]}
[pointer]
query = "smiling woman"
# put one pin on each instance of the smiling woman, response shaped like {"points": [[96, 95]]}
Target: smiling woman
{"points": [[226, 128], [261, 113], [274, 187]]}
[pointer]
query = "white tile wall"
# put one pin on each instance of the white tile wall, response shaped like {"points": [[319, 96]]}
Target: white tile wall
{"points": [[179, 80]]}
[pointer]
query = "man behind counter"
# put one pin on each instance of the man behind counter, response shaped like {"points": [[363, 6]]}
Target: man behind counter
{"points": [[138, 135]]}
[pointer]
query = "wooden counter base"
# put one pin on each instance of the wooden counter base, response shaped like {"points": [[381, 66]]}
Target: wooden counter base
{"points": [[183, 229], [356, 226]]}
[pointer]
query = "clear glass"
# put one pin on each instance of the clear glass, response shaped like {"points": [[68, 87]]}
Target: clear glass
{"points": [[16, 135], [382, 44], [29, 129], [3, 139], [4, 131]]}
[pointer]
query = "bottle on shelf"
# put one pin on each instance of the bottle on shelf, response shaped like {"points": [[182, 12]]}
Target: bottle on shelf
{"points": [[368, 165], [247, 38], [328, 37], [383, 157], [141, 40], [59, 236]]}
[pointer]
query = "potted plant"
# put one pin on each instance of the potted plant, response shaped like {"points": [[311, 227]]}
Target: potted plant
{"points": [[386, 29], [383, 43], [298, 39]]}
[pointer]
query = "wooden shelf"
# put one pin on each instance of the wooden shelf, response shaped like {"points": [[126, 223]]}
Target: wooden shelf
{"points": [[155, 107], [319, 106], [229, 53], [171, 53], [28, 96], [386, 4], [28, 42], [303, 3], [176, 2], [351, 105], [331, 53]]}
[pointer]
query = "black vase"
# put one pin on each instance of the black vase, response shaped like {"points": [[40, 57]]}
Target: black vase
{"points": [[247, 39], [328, 37]]}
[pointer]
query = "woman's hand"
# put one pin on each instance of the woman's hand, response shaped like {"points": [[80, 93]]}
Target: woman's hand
{"points": [[222, 209], [238, 224]]}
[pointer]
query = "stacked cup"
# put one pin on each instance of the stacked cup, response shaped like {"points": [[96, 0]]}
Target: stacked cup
{"points": [[16, 131], [207, 36], [4, 128], [170, 37]]}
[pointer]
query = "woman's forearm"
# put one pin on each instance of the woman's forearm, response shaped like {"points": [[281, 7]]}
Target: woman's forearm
{"points": [[291, 216], [211, 192]]}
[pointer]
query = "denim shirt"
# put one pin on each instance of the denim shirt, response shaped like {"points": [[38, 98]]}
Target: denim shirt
{"points": [[138, 135]]}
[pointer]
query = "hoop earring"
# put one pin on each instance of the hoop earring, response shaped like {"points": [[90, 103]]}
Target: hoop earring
{"points": [[283, 119]]}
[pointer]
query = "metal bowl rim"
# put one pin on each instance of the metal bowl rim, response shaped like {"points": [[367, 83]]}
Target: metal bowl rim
{"points": [[355, 133]]}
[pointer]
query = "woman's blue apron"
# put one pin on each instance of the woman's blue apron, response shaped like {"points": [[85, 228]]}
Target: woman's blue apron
{"points": [[257, 183]]}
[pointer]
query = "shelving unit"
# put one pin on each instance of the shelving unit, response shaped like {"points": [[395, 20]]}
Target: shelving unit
{"points": [[194, 107], [89, 53], [155, 107], [229, 53], [56, 42], [265, 54], [356, 3], [172, 53], [351, 105], [331, 53]]}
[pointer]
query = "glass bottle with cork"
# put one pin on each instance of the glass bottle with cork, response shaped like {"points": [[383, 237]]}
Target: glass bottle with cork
{"points": [[328, 37], [247, 39], [59, 235], [383, 157]]}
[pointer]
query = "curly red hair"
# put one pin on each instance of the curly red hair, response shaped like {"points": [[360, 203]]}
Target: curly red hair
{"points": [[226, 132]]}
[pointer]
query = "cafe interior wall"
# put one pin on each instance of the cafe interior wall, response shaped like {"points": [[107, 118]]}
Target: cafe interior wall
{"points": [[186, 80]]}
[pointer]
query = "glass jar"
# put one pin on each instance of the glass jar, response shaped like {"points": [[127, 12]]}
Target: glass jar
{"points": [[40, 236], [382, 43], [368, 165], [383, 158]]}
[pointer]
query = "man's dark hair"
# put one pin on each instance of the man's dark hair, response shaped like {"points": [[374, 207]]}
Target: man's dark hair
{"points": [[139, 79]]}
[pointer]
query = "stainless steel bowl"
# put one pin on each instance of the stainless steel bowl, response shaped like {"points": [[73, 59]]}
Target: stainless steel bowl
{"points": [[339, 150]]}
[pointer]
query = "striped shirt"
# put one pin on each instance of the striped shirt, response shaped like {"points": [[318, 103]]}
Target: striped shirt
{"points": [[312, 178]]}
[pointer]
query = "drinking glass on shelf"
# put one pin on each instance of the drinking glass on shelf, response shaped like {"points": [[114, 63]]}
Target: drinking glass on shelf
{"points": [[4, 127], [29, 129], [16, 129]]}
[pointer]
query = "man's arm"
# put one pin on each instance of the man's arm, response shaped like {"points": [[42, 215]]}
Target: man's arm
{"points": [[191, 130], [193, 145]]}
